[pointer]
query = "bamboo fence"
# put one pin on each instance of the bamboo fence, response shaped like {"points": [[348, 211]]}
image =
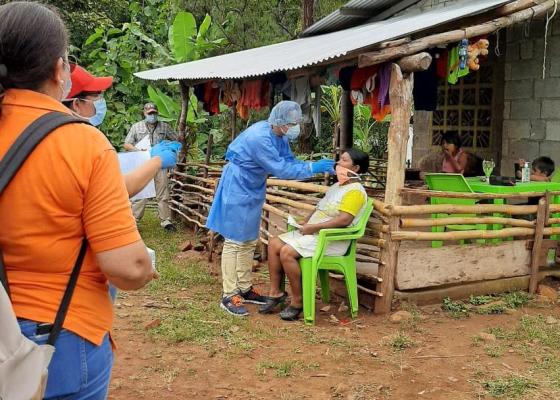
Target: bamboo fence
{"points": [[192, 192]]}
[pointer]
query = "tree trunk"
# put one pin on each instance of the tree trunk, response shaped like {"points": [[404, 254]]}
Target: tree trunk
{"points": [[307, 13]]}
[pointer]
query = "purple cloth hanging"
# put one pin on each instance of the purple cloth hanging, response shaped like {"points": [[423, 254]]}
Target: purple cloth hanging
{"points": [[384, 83]]}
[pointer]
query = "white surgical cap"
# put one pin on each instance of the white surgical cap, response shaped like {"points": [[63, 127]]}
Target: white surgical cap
{"points": [[284, 113]]}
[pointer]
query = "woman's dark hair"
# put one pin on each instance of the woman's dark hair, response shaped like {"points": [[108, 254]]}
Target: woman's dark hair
{"points": [[32, 39], [451, 138], [359, 158]]}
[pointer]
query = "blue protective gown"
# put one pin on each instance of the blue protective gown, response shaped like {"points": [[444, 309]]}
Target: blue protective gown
{"points": [[253, 155]]}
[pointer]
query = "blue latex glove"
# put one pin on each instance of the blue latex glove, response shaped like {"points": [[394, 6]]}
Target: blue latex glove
{"points": [[167, 152], [173, 144], [321, 166]]}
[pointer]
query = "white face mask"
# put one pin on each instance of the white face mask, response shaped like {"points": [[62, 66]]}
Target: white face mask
{"points": [[151, 118], [292, 133]]}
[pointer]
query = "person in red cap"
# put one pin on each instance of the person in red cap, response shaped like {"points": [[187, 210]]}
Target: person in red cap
{"points": [[86, 99]]}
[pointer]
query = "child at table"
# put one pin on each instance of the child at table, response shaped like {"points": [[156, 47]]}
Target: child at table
{"points": [[542, 169]]}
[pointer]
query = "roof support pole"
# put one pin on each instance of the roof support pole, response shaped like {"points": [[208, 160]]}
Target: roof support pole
{"points": [[182, 122], [346, 121], [400, 94], [233, 120]]}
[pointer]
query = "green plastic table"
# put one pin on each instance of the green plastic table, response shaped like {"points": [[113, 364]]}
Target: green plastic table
{"points": [[519, 188]]}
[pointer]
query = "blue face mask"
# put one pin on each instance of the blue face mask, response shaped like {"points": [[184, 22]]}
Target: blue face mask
{"points": [[293, 132], [151, 118], [100, 110]]}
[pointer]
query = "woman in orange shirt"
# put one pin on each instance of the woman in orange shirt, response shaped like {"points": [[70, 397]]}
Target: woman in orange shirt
{"points": [[69, 188]]}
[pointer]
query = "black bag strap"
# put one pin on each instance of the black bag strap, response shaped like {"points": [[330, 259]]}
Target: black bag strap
{"points": [[10, 164]]}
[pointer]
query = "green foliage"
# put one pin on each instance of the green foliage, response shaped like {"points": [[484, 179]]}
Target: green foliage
{"points": [[455, 309], [516, 299], [509, 387], [400, 341], [369, 135], [189, 43], [480, 300]]}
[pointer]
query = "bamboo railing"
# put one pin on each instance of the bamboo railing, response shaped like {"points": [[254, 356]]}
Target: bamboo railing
{"points": [[503, 221]]}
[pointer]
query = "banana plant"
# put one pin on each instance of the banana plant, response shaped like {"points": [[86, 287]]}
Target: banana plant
{"points": [[189, 42]]}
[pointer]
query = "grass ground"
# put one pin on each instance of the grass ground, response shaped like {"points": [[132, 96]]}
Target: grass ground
{"points": [[176, 343]]}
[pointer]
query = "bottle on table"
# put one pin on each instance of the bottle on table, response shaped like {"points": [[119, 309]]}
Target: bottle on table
{"points": [[526, 172]]}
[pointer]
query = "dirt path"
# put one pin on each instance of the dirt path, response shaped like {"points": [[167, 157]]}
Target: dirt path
{"points": [[193, 351]]}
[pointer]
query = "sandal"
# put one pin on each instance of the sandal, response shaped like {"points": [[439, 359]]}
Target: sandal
{"points": [[271, 303], [291, 313]]}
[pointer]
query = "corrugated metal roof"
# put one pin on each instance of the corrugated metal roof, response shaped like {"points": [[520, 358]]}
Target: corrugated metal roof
{"points": [[340, 19], [305, 52]]}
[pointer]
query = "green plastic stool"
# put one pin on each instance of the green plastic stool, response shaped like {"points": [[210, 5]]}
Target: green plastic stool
{"points": [[321, 265]]}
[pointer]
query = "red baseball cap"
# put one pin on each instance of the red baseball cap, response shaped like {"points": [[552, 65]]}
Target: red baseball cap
{"points": [[83, 81]]}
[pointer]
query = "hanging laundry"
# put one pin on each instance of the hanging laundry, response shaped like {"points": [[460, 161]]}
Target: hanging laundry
{"points": [[209, 95], [425, 91], [361, 75], [212, 97], [301, 94], [255, 94], [231, 93], [454, 70], [384, 84], [442, 63], [377, 112]]}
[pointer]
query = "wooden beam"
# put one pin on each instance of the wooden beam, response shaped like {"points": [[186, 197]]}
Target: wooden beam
{"points": [[415, 63], [346, 121], [377, 57], [400, 94], [539, 230]]}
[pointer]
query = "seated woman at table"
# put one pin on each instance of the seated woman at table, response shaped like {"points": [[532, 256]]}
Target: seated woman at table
{"points": [[454, 158], [343, 205], [542, 169]]}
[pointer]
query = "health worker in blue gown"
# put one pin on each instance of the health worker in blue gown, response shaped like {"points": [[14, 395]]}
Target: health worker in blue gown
{"points": [[261, 150]]}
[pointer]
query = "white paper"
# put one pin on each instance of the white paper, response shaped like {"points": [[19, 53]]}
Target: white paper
{"points": [[144, 144], [129, 161], [292, 222]]}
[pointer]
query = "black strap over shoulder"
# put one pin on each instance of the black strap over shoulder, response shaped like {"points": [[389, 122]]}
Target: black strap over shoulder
{"points": [[10, 164]]}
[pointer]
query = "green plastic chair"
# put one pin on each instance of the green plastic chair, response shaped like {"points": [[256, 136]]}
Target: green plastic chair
{"points": [[320, 264], [555, 176], [451, 183]]}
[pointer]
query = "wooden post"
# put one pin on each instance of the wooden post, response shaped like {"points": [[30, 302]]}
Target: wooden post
{"points": [[182, 123], [208, 153], [233, 120], [400, 93], [346, 121], [535, 253]]}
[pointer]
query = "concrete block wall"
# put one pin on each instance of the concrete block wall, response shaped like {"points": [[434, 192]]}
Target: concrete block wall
{"points": [[531, 104]]}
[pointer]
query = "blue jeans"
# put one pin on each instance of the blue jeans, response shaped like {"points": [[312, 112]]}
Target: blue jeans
{"points": [[79, 370]]}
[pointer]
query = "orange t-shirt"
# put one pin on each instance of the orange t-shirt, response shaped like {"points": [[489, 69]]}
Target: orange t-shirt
{"points": [[70, 186]]}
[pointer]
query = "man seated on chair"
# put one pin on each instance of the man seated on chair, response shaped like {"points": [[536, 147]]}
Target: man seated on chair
{"points": [[343, 205]]}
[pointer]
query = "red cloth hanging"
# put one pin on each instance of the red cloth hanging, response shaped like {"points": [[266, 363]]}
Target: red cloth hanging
{"points": [[212, 97], [361, 75]]}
